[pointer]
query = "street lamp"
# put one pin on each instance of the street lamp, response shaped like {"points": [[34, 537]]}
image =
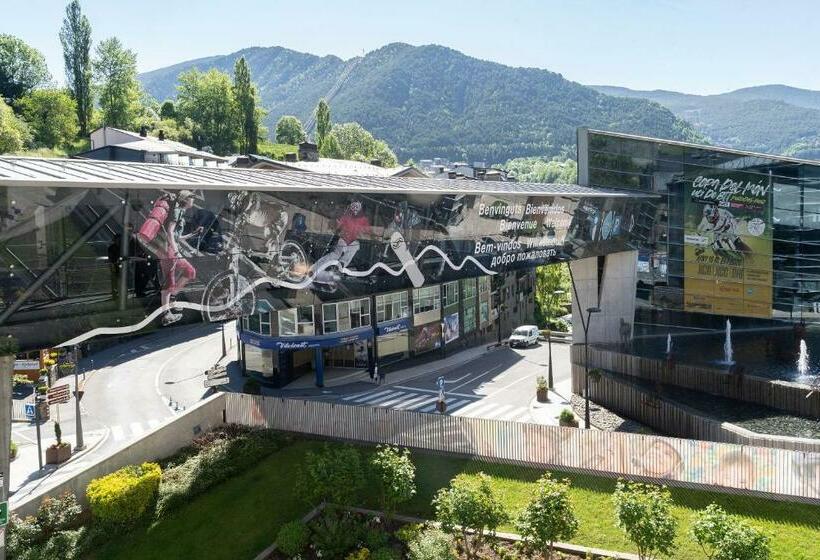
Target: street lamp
{"points": [[550, 383], [590, 311]]}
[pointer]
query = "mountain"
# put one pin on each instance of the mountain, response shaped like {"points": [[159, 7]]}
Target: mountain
{"points": [[774, 119], [432, 101]]}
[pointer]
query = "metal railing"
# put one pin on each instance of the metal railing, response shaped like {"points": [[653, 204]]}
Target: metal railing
{"points": [[724, 467]]}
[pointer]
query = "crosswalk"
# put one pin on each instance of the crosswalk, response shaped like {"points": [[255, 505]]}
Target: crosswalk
{"points": [[132, 430], [457, 405]]}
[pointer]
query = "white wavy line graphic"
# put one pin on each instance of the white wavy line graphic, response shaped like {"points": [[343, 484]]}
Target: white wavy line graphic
{"points": [[99, 331]]}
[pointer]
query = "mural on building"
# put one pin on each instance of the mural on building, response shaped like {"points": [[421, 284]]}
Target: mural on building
{"points": [[114, 261]]}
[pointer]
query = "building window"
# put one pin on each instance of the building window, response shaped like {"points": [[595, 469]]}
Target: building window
{"points": [[468, 288], [345, 315], [258, 322], [469, 318], [450, 293], [426, 299], [296, 321], [484, 284], [392, 306]]}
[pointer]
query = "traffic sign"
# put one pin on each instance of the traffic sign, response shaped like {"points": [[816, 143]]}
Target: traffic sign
{"points": [[4, 513], [58, 395], [217, 381], [28, 408]]}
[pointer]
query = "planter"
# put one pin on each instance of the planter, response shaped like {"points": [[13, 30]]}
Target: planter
{"points": [[542, 394], [57, 454], [441, 406], [568, 423]]}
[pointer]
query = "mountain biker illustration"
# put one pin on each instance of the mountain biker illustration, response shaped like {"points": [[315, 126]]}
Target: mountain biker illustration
{"points": [[352, 225], [270, 217], [168, 214], [722, 226]]}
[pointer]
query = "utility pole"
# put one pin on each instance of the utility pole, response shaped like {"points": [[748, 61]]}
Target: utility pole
{"points": [[6, 375], [79, 421]]}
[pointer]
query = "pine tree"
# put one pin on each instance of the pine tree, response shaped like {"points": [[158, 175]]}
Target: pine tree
{"points": [[322, 122], [75, 36], [245, 94]]}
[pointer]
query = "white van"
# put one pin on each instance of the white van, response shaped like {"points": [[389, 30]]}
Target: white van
{"points": [[524, 336]]}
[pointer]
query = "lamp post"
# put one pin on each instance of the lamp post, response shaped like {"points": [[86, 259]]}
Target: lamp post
{"points": [[590, 311], [550, 383], [77, 395]]}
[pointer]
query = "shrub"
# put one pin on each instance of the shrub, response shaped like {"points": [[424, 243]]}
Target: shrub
{"points": [[375, 538], [360, 554], [21, 379], [644, 513], [385, 553], [21, 535], [541, 382], [567, 418], [395, 475], [335, 533], [432, 544], [548, 516], [13, 450], [723, 537], [216, 456], [408, 533], [334, 474], [293, 538], [469, 504], [55, 514], [123, 496]]}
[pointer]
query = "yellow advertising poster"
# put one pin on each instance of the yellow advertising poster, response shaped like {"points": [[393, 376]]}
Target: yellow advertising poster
{"points": [[728, 244]]}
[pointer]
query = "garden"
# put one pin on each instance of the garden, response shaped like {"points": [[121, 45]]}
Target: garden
{"points": [[236, 491]]}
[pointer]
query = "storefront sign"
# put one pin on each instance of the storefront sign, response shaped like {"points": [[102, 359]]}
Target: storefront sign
{"points": [[728, 244], [294, 343], [394, 326]]}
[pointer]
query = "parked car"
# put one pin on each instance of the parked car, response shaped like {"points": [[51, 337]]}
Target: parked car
{"points": [[524, 336]]}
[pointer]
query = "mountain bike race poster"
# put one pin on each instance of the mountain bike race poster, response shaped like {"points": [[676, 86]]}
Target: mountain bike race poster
{"points": [[728, 244]]}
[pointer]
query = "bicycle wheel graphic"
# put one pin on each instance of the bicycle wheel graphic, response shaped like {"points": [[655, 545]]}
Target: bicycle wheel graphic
{"points": [[222, 301], [293, 262]]}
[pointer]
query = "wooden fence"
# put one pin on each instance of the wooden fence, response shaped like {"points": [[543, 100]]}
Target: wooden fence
{"points": [[647, 407], [723, 467], [782, 395]]}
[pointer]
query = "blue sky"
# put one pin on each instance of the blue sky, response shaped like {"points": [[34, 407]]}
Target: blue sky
{"points": [[693, 46]]}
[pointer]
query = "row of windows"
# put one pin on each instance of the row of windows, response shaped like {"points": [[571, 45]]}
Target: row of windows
{"points": [[342, 316]]}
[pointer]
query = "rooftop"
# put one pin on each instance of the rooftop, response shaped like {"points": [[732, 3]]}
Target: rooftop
{"points": [[329, 166], [52, 172], [150, 143]]}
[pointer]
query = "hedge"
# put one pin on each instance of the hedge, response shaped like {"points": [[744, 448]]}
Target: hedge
{"points": [[123, 496]]}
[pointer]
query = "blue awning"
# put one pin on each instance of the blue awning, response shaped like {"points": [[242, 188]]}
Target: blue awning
{"points": [[360, 334]]}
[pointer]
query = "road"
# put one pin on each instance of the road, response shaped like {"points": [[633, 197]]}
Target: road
{"points": [[499, 385], [127, 391]]}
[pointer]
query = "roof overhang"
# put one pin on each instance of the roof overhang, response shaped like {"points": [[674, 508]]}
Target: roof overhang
{"points": [[45, 172]]}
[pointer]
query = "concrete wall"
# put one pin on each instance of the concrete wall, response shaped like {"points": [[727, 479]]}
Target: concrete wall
{"points": [[615, 296], [163, 441]]}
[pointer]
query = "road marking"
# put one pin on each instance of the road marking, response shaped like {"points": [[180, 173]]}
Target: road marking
{"points": [[357, 395], [136, 428], [473, 409], [453, 406], [500, 412], [118, 433], [423, 402], [407, 403], [399, 398], [377, 397], [479, 376], [431, 391]]}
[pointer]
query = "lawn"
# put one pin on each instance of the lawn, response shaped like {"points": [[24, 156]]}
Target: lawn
{"points": [[241, 517]]}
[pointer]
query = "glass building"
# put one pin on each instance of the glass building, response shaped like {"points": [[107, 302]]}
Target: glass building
{"points": [[730, 235]]}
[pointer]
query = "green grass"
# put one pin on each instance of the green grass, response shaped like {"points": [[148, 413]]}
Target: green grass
{"points": [[275, 151], [241, 517]]}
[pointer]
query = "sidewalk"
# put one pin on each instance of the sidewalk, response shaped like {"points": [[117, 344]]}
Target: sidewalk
{"points": [[558, 399], [26, 478]]}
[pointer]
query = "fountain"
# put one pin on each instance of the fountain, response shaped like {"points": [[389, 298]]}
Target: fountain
{"points": [[727, 345], [803, 361], [668, 344]]}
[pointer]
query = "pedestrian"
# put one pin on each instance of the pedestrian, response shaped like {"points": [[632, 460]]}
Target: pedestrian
{"points": [[373, 374]]}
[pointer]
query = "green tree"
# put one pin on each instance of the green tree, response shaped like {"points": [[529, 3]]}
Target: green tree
{"points": [[561, 170], [356, 143], [334, 474], [550, 279], [395, 475], [470, 508], [52, 115], [330, 148], [548, 517], [167, 110], [206, 98], [644, 513], [22, 68], [14, 133], [115, 69], [724, 537], [289, 130], [75, 36], [247, 104], [322, 122]]}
